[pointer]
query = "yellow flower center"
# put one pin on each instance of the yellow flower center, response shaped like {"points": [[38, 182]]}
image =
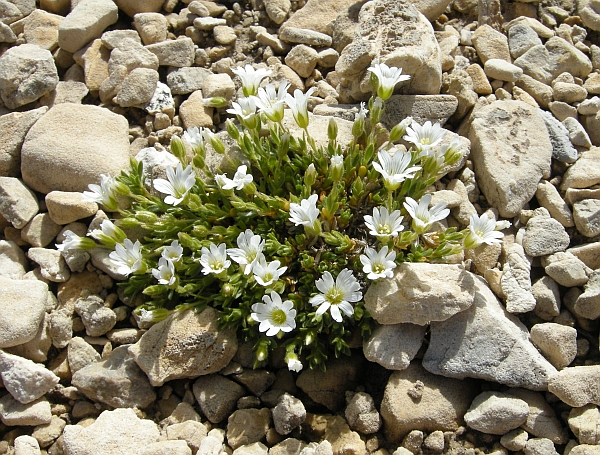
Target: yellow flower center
{"points": [[378, 268], [278, 316], [384, 229], [425, 141], [334, 296]]}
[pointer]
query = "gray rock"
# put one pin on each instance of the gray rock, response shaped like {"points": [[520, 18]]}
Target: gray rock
{"points": [[566, 269], [585, 172], [13, 128], [419, 293], [516, 281], [486, 342], [549, 198], [545, 235], [289, 413], [577, 386], [521, 38], [162, 100], [362, 415], [131, 54], [137, 88], [177, 53], [52, 264], [562, 148], [587, 304], [116, 381], [556, 342], [496, 413], [40, 231], [184, 345], [217, 396], [584, 422], [304, 36], [586, 214], [415, 399], [96, 317], [511, 151], [22, 308], [545, 62], [435, 108], [25, 380], [71, 134], [15, 413], [18, 204], [80, 354], [112, 432], [61, 328], [86, 21], [539, 446], [547, 298], [27, 72], [182, 81], [247, 426], [12, 260], [577, 133], [394, 346]]}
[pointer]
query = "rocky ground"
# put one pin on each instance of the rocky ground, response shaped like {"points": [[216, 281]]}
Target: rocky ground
{"points": [[497, 355]]}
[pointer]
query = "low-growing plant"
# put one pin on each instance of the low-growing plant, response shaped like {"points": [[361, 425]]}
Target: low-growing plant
{"points": [[284, 248]]}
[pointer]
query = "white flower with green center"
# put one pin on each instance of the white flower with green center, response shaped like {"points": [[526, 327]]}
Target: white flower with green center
{"points": [[245, 108], [173, 252], [271, 102], [250, 78], [250, 247], [395, 168], [361, 115], [378, 264], [214, 260], [274, 315], [337, 295], [306, 212], [387, 78], [422, 216], [483, 230], [74, 242], [145, 316], [179, 182], [193, 136], [425, 137], [104, 193], [127, 257], [109, 234], [165, 273], [337, 167], [299, 106], [240, 179], [384, 224], [267, 273]]}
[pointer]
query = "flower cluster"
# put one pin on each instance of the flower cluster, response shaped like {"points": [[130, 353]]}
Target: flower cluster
{"points": [[284, 244]]}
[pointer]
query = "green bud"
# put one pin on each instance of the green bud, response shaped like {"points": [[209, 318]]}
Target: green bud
{"points": [[146, 216], [310, 176], [121, 188], [178, 148], [358, 128], [128, 223], [217, 145], [198, 162], [232, 130], [332, 129], [397, 132], [216, 101]]}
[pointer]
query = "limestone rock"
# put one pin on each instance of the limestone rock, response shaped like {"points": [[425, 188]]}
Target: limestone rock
{"points": [[184, 345], [112, 432], [549, 198], [544, 236], [67, 136], [289, 413], [66, 207], [116, 381], [585, 172], [217, 396], [12, 260], [584, 422], [419, 293], [343, 440], [25, 380], [18, 204], [246, 426], [415, 399], [132, 7], [22, 308], [516, 281], [496, 413], [566, 269], [86, 21], [182, 81], [586, 214], [486, 342], [511, 152], [27, 72], [362, 415], [587, 304], [393, 346], [177, 53], [577, 386], [15, 413]]}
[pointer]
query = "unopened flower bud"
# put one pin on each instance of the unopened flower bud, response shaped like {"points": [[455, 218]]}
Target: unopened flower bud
{"points": [[310, 176], [337, 167], [217, 101], [146, 216], [232, 130], [177, 147], [332, 129]]}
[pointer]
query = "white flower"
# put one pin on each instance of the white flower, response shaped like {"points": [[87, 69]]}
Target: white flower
{"points": [[145, 316], [274, 315], [378, 264], [251, 78], [394, 169], [502, 224], [165, 274], [424, 137], [383, 223], [306, 212], [482, 230], [361, 115], [337, 167], [272, 103], [103, 193], [127, 257], [266, 274], [337, 295], [294, 364], [74, 242], [177, 185], [299, 106], [422, 216], [240, 179], [244, 108], [193, 136], [221, 180], [214, 260], [173, 252], [249, 249], [109, 234], [387, 78]]}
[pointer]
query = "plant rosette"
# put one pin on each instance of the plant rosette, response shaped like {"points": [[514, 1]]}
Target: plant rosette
{"points": [[285, 247]]}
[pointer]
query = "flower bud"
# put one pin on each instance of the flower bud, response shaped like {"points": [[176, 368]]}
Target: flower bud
{"points": [[232, 130], [310, 176], [121, 189], [178, 148], [217, 145], [145, 216], [216, 101], [332, 129], [336, 168]]}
